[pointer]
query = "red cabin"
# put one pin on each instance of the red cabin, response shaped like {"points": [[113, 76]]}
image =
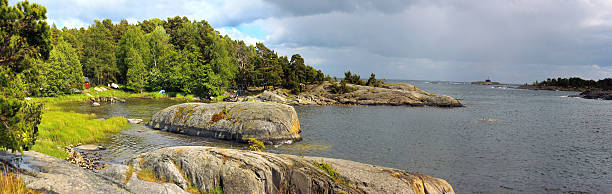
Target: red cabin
{"points": [[86, 84]]}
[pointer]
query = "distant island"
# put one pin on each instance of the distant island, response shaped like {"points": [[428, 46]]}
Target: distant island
{"points": [[590, 89], [486, 82]]}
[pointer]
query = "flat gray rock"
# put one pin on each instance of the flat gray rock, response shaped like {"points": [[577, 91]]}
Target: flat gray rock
{"points": [[240, 171]]}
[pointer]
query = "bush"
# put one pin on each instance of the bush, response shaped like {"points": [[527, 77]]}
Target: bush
{"points": [[374, 82], [342, 89], [352, 78], [18, 123]]}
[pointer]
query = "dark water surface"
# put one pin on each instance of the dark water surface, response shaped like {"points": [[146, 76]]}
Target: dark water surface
{"points": [[504, 141]]}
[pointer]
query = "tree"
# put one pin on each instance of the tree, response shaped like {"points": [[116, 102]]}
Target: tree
{"points": [[158, 44], [63, 71], [99, 60], [18, 124], [137, 72], [241, 56], [372, 81], [132, 39], [352, 78], [267, 70], [24, 37], [23, 33], [218, 55], [151, 24]]}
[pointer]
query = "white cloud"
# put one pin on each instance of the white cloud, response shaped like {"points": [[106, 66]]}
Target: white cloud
{"points": [[238, 35], [218, 13]]}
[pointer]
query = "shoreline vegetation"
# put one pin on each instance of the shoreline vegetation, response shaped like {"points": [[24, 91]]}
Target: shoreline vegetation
{"points": [[59, 129], [589, 89], [570, 84]]}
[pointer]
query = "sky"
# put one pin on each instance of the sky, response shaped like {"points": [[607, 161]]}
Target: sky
{"points": [[512, 41]]}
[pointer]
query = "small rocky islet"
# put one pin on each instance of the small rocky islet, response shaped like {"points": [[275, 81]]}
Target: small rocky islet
{"points": [[267, 117], [391, 94], [271, 123], [584, 92]]}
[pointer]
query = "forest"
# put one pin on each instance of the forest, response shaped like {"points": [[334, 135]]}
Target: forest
{"points": [[578, 83], [175, 55]]}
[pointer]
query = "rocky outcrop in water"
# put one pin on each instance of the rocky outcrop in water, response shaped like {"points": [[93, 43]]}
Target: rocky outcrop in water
{"points": [[271, 123], [591, 94], [398, 94]]}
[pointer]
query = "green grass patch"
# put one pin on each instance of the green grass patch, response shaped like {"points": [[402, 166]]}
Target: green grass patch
{"points": [[217, 190], [330, 171], [111, 92], [63, 98], [255, 145], [218, 98], [148, 175], [59, 129]]}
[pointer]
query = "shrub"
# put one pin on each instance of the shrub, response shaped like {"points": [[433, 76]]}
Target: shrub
{"points": [[352, 78], [372, 81], [255, 145], [342, 89], [18, 123], [330, 171]]}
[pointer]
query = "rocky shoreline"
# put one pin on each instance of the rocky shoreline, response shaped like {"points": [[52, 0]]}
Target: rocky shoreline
{"points": [[397, 94], [203, 169], [551, 88], [602, 95], [584, 92]]}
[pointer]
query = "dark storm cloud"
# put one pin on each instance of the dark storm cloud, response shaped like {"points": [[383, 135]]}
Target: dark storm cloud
{"points": [[313, 7], [485, 37]]}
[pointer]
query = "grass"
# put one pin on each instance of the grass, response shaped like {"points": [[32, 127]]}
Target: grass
{"points": [[128, 174], [255, 145], [11, 183], [59, 129], [192, 189], [217, 190], [330, 171], [218, 98], [148, 175], [91, 92]]}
